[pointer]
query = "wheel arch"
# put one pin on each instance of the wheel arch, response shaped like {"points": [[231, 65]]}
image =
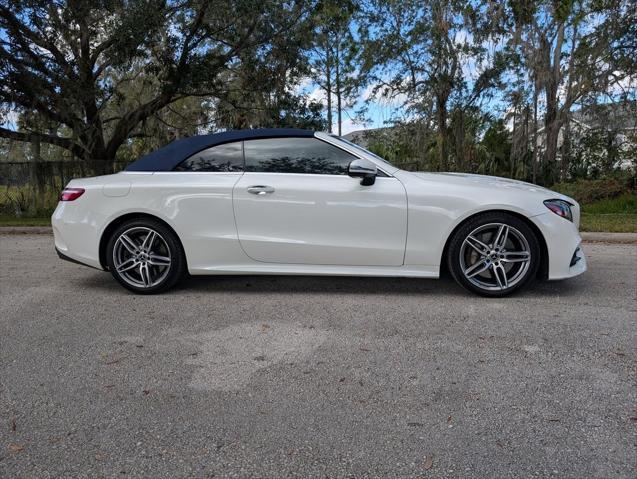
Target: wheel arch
{"points": [[544, 255], [115, 223]]}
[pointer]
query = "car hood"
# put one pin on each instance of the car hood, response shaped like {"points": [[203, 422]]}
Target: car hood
{"points": [[489, 182]]}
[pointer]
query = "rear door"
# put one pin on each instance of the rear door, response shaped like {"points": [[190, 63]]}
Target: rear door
{"points": [[295, 203]]}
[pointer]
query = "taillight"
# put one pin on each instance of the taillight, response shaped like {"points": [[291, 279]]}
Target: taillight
{"points": [[71, 194]]}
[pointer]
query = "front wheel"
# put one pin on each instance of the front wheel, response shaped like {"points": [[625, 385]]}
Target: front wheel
{"points": [[145, 256], [494, 254]]}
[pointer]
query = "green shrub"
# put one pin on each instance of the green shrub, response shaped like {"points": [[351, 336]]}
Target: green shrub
{"points": [[589, 191], [623, 204], [27, 202]]}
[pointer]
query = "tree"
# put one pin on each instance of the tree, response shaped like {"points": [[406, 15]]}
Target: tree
{"points": [[334, 57], [573, 49], [417, 51], [263, 90], [64, 60], [497, 143]]}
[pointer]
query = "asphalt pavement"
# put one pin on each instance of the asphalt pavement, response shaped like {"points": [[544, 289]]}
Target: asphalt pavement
{"points": [[315, 377]]}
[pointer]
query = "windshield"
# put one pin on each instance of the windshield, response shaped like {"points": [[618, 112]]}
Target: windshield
{"points": [[360, 148]]}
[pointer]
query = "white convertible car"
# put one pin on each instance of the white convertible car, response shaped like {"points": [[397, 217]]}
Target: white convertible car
{"points": [[296, 202]]}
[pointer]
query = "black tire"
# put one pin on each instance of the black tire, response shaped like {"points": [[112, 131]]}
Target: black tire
{"points": [[167, 245], [504, 268]]}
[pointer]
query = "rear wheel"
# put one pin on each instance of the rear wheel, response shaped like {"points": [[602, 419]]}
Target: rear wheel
{"points": [[145, 256], [494, 254]]}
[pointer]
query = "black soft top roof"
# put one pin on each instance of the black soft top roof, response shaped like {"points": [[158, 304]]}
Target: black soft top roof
{"points": [[166, 158]]}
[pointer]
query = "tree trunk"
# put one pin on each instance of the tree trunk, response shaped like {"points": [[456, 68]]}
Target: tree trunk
{"points": [[339, 107], [552, 120], [102, 166], [527, 113], [36, 176], [514, 143], [566, 150], [460, 139], [566, 144], [534, 157], [611, 152], [552, 136], [328, 86], [441, 135]]}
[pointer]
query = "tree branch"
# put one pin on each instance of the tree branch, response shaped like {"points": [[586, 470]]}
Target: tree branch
{"points": [[29, 136]]}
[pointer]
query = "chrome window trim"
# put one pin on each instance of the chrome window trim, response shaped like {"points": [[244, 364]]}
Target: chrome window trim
{"points": [[320, 136]]}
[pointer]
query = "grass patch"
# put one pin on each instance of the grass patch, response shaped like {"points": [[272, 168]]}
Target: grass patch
{"points": [[609, 223], [13, 221], [613, 215], [623, 204]]}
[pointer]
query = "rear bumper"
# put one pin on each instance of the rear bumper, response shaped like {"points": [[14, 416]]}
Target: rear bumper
{"points": [[71, 260], [75, 235]]}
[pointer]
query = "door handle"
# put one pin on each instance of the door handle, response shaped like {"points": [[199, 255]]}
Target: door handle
{"points": [[260, 190]]}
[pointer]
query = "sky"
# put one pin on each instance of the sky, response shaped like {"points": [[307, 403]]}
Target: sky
{"points": [[379, 111]]}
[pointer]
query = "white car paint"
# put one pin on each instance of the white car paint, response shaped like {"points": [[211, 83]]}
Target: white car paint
{"points": [[310, 224]]}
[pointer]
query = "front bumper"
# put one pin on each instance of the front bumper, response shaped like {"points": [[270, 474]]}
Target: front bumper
{"points": [[566, 257]]}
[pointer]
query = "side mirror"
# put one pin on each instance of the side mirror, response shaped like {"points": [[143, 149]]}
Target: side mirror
{"points": [[364, 169]]}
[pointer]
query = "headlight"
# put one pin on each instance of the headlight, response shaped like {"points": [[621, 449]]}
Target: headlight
{"points": [[560, 208]]}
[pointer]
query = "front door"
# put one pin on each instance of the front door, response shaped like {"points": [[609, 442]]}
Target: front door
{"points": [[296, 204]]}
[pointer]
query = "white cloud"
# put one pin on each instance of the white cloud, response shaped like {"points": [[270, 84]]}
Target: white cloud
{"points": [[318, 94], [348, 126], [302, 87], [9, 119]]}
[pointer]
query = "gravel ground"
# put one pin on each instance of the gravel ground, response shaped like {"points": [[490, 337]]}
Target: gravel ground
{"points": [[314, 377]]}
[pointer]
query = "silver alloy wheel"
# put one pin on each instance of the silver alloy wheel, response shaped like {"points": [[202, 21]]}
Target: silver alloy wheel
{"points": [[141, 257], [495, 257]]}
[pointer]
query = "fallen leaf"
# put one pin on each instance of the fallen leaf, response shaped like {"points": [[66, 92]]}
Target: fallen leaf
{"points": [[146, 392], [632, 418], [342, 380], [365, 350], [429, 462], [99, 457], [15, 448], [13, 425], [553, 419], [265, 326], [449, 419], [115, 361]]}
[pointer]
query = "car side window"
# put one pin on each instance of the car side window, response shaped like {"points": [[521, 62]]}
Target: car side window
{"points": [[295, 155], [220, 158]]}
